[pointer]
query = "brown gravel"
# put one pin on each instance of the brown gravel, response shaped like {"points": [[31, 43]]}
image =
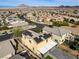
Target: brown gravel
{"points": [[74, 30], [67, 49]]}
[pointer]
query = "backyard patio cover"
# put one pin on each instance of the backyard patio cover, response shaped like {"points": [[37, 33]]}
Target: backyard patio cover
{"points": [[47, 47]]}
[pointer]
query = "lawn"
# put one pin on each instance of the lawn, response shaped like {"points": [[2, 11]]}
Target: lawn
{"points": [[20, 49], [48, 57], [38, 30]]}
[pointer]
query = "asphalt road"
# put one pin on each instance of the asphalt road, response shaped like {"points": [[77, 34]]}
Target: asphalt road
{"points": [[6, 37], [60, 54]]}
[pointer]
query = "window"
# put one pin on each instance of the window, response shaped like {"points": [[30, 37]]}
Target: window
{"points": [[33, 48], [62, 40], [56, 40], [30, 41]]}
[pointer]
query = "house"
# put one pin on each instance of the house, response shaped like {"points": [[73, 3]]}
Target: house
{"points": [[59, 34], [17, 23], [39, 43], [14, 21], [72, 19], [6, 49], [1, 21]]}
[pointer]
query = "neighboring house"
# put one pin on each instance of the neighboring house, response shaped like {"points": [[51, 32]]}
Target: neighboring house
{"points": [[59, 34], [14, 21], [72, 19], [17, 57], [17, 23], [11, 18], [6, 49], [38, 43], [1, 21]]}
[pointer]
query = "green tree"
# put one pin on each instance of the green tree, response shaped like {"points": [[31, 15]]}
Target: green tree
{"points": [[75, 11], [75, 44], [72, 21], [5, 24], [38, 30], [21, 16], [65, 23], [17, 32], [65, 19], [34, 14]]}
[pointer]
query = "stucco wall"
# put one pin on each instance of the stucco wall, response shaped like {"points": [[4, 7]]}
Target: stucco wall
{"points": [[33, 45]]}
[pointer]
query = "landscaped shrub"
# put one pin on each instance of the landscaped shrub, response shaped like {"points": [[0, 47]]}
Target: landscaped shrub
{"points": [[75, 44], [60, 23]]}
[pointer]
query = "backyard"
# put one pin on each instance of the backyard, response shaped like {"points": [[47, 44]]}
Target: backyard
{"points": [[48, 57]]}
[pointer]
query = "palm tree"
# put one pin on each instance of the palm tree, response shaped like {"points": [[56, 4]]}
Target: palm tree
{"points": [[17, 33]]}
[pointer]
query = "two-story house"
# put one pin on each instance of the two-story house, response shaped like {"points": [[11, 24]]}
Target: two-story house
{"points": [[41, 43], [38, 43], [59, 34]]}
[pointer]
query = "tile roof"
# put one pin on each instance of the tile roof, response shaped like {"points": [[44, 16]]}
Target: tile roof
{"points": [[36, 36], [6, 48], [56, 30]]}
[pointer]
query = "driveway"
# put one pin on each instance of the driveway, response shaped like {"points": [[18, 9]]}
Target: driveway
{"points": [[60, 54]]}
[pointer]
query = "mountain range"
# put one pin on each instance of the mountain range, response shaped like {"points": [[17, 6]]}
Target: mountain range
{"points": [[62, 6]]}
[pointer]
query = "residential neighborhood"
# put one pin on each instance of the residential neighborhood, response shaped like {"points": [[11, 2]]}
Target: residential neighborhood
{"points": [[39, 32]]}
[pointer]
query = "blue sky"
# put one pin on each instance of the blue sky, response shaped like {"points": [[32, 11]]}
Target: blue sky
{"points": [[39, 2]]}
